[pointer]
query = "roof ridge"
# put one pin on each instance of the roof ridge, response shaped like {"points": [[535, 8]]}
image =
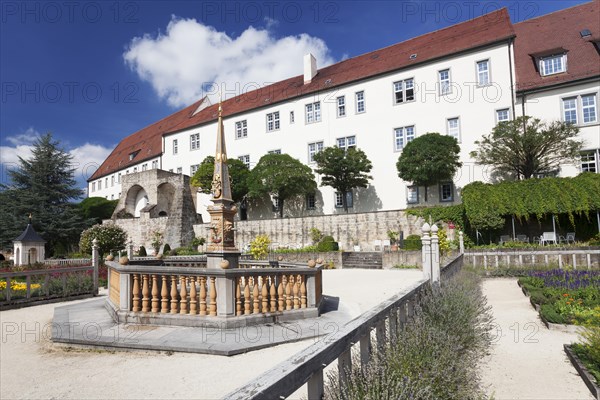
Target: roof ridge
{"points": [[556, 12]]}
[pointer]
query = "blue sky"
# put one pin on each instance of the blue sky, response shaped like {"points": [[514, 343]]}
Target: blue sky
{"points": [[93, 72]]}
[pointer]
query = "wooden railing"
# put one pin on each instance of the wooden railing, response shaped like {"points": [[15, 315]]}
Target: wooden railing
{"points": [[33, 286], [495, 258], [307, 366], [142, 291]]}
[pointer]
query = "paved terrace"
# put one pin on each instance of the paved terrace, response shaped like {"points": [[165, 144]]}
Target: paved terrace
{"points": [[33, 367]]}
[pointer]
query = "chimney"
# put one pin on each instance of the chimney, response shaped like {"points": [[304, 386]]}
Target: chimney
{"points": [[310, 67]]}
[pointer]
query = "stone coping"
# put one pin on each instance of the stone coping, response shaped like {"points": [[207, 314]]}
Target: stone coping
{"points": [[235, 272]]}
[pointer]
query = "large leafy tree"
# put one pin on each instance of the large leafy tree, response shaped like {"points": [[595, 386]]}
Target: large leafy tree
{"points": [[526, 147], [429, 159], [43, 185], [97, 208], [282, 177], [343, 170], [238, 174]]}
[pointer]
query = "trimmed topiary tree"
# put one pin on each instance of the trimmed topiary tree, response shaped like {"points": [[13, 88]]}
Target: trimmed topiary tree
{"points": [[328, 243], [142, 252], [109, 236]]}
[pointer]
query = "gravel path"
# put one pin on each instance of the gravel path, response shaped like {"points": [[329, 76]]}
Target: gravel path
{"points": [[31, 367], [527, 360]]}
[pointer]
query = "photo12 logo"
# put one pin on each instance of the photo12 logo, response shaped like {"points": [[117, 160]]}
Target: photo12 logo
{"points": [[70, 12], [68, 92]]}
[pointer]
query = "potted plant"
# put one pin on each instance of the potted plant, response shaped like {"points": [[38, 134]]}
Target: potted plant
{"points": [[198, 243], [157, 241], [393, 236]]}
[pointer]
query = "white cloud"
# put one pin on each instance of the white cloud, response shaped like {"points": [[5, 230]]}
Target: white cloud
{"points": [[190, 55], [27, 137], [87, 158]]}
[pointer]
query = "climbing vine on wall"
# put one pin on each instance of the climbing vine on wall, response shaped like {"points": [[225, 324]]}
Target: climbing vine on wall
{"points": [[486, 205], [454, 214]]}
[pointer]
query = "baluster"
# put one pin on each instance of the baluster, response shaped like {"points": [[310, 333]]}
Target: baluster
{"points": [[247, 296], [155, 299], [164, 294], [136, 293], [280, 297], [303, 292], [145, 294], [265, 295], [193, 296], [213, 297], [288, 292], [273, 294], [255, 299], [238, 296], [202, 295], [174, 299], [183, 295], [296, 289]]}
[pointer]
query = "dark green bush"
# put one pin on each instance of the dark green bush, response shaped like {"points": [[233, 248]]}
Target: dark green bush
{"points": [[142, 252], [328, 243], [549, 313], [185, 251], [166, 249], [412, 242]]}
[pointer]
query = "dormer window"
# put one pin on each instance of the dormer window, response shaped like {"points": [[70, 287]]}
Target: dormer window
{"points": [[554, 64], [132, 155]]}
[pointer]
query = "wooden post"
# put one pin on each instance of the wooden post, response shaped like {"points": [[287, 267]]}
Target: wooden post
{"points": [[315, 386], [365, 349], [380, 335], [345, 367]]}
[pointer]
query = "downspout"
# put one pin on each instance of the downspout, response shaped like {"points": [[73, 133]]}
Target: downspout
{"points": [[512, 82]]}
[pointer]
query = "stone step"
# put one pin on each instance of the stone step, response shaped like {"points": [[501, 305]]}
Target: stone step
{"points": [[368, 260]]}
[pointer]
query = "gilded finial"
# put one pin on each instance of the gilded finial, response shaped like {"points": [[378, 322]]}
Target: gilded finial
{"points": [[30, 216], [220, 102]]}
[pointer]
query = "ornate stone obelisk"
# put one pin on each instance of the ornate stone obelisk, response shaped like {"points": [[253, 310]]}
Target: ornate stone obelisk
{"points": [[221, 250]]}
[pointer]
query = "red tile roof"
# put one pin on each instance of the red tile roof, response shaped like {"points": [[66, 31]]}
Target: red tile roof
{"points": [[148, 141], [488, 29], [485, 30], [554, 33]]}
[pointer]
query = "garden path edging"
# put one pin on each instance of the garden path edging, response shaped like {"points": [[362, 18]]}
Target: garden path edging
{"points": [[583, 372]]}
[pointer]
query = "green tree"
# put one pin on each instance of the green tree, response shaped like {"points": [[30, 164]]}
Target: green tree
{"points": [[97, 208], [44, 186], [429, 159], [343, 170], [238, 174], [110, 237], [525, 147], [282, 177]]}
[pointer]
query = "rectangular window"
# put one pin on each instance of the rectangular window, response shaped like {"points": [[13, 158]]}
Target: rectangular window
{"points": [[339, 201], [245, 159], [194, 141], [553, 64], [341, 106], [106, 183], [119, 178], [100, 184], [588, 162], [193, 169], [444, 78], [346, 142], [112, 196], [404, 91], [275, 202], [311, 201], [292, 117], [502, 115], [313, 112], [112, 181], [483, 72], [570, 110], [93, 186], [588, 104], [412, 194], [360, 102], [155, 164], [446, 191], [170, 169], [134, 170], [453, 127], [179, 170], [175, 146], [241, 129], [144, 167], [273, 121], [278, 151], [402, 136], [314, 148]]}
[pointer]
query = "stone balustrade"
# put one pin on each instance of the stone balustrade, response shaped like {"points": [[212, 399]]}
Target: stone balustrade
{"points": [[198, 296]]}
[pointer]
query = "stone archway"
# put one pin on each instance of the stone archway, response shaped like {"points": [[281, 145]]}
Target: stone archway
{"points": [[165, 196], [136, 200]]}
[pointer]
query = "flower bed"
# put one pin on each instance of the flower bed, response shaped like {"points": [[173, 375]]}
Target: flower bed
{"points": [[565, 296]]}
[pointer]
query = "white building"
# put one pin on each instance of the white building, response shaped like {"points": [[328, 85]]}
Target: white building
{"points": [[458, 81]]}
